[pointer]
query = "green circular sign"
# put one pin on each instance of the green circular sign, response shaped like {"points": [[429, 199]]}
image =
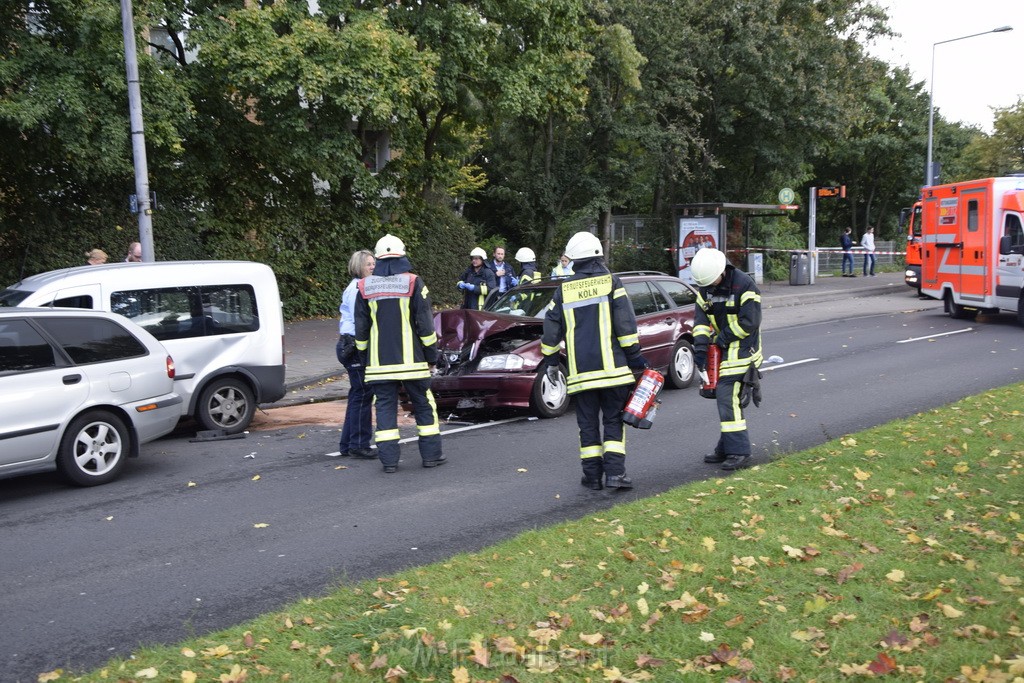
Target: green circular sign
{"points": [[786, 196]]}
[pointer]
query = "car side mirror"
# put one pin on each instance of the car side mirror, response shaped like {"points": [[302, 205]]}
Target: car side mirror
{"points": [[1005, 245]]}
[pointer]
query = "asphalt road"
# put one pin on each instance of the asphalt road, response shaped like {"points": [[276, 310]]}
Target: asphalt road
{"points": [[172, 549]]}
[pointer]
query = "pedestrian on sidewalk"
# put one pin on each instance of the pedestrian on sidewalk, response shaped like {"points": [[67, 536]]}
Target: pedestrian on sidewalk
{"points": [[591, 313], [846, 242], [397, 345], [358, 428], [868, 242]]}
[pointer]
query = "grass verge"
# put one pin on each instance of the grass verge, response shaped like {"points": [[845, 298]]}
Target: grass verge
{"points": [[892, 553]]}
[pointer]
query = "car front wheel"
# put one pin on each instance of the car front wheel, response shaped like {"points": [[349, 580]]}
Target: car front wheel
{"points": [[681, 369], [227, 404], [550, 399], [94, 448]]}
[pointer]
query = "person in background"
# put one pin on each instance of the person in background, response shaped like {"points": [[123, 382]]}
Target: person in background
{"points": [[846, 242], [96, 257], [591, 313], [503, 273], [528, 260], [396, 341], [478, 281], [868, 242], [134, 253], [358, 427], [728, 313], [564, 267]]}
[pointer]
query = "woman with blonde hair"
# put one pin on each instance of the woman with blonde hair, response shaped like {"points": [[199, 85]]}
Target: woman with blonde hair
{"points": [[96, 257], [355, 434]]}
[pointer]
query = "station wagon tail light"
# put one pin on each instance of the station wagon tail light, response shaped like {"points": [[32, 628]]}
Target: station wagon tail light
{"points": [[170, 367]]}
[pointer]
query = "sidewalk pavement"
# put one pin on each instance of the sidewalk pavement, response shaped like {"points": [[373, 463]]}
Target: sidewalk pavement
{"points": [[314, 375]]}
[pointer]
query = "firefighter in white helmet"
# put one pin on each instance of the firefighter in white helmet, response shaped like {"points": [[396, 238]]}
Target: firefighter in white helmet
{"points": [[728, 313], [528, 262], [591, 313], [395, 337], [478, 281]]}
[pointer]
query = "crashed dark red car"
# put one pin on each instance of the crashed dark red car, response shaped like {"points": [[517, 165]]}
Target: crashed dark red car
{"points": [[489, 358]]}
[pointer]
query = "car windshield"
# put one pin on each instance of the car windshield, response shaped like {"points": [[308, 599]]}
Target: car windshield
{"points": [[12, 297], [529, 302]]}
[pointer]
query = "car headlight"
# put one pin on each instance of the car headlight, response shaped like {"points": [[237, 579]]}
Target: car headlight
{"points": [[504, 361]]}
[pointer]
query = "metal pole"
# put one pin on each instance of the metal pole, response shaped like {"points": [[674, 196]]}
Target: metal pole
{"points": [[812, 230], [929, 175], [138, 138]]}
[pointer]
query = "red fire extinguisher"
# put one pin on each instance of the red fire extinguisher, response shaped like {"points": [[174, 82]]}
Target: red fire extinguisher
{"points": [[709, 388], [642, 404]]}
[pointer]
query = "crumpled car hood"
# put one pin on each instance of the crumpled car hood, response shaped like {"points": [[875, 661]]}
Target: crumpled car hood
{"points": [[459, 327]]}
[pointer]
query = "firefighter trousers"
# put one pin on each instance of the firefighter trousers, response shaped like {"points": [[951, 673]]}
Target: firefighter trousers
{"points": [[602, 453], [385, 398], [734, 439]]}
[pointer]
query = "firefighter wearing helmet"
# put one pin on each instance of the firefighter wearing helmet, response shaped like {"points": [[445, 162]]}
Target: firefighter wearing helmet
{"points": [[478, 281], [728, 313], [591, 313], [528, 261], [396, 341]]}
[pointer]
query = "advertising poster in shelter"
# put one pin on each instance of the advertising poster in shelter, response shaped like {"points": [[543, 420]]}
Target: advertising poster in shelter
{"points": [[696, 234]]}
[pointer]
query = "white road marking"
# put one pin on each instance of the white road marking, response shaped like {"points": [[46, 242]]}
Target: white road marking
{"points": [[787, 365], [933, 336]]}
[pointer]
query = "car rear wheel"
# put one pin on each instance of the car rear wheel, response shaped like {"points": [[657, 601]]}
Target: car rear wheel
{"points": [[681, 369], [227, 404], [550, 399], [94, 448], [955, 310]]}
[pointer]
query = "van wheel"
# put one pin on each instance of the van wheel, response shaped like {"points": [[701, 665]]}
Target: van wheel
{"points": [[1020, 311], [681, 369], [550, 400], [956, 311], [94, 448], [227, 404]]}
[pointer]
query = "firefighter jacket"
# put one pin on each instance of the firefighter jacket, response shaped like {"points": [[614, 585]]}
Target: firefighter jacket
{"points": [[395, 328], [729, 315], [481, 283], [592, 314], [529, 273]]}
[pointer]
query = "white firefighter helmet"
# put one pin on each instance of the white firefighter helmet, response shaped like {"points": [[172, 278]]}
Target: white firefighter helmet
{"points": [[389, 246], [477, 251], [526, 255], [583, 245], [707, 265]]}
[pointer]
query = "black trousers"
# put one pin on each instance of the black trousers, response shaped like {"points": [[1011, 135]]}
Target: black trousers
{"points": [[602, 433], [734, 439], [385, 396]]}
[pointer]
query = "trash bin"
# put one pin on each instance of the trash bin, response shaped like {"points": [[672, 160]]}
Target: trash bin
{"points": [[755, 267], [799, 268]]}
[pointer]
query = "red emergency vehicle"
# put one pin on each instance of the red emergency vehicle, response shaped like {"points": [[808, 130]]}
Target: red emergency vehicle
{"points": [[973, 245]]}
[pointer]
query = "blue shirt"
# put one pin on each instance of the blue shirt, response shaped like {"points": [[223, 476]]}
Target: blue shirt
{"points": [[347, 325]]}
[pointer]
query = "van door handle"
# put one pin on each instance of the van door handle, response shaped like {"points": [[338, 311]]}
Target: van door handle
{"points": [[72, 379]]}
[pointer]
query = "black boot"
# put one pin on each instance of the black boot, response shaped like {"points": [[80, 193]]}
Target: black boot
{"points": [[735, 462], [593, 473], [594, 484], [618, 481], [715, 457]]}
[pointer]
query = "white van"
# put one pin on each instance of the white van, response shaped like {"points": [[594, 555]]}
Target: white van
{"points": [[220, 320]]}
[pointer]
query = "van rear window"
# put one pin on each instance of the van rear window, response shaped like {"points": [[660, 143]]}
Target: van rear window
{"points": [[182, 312]]}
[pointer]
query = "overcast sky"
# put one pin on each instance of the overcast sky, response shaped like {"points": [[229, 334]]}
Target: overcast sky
{"points": [[972, 75]]}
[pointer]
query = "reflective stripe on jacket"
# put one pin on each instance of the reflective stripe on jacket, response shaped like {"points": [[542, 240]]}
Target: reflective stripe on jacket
{"points": [[595, 318], [730, 315], [395, 327]]}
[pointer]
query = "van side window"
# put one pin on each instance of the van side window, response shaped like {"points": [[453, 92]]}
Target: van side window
{"points": [[972, 215], [1014, 231], [182, 312], [81, 301]]}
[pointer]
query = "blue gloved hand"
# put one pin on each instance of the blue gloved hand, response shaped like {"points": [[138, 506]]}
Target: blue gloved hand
{"points": [[515, 281], [462, 285], [638, 362]]}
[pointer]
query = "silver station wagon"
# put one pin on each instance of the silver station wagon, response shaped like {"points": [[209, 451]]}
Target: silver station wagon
{"points": [[80, 391]]}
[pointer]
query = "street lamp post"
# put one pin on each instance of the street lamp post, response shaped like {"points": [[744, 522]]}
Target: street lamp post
{"points": [[928, 175]]}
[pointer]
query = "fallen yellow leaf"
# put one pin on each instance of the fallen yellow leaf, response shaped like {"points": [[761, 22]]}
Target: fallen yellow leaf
{"points": [[896, 575], [149, 672], [188, 676], [260, 525]]}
